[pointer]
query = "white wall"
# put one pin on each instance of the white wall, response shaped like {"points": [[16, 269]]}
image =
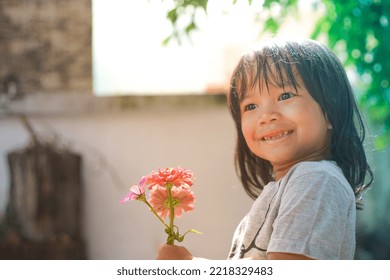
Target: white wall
{"points": [[132, 143]]}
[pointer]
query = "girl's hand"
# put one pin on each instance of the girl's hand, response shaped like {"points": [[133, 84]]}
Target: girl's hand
{"points": [[173, 252]]}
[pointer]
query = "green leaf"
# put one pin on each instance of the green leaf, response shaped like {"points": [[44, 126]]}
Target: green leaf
{"points": [[320, 27], [194, 231], [203, 4], [190, 27], [166, 40], [271, 25], [172, 15], [381, 142], [267, 4]]}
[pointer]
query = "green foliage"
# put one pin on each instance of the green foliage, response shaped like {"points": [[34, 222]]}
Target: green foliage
{"points": [[357, 30], [181, 9], [361, 29], [287, 8]]}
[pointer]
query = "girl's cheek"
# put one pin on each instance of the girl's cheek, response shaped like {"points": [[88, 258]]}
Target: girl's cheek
{"points": [[246, 128]]}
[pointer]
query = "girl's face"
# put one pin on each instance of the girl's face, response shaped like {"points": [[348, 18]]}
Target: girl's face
{"points": [[284, 126]]}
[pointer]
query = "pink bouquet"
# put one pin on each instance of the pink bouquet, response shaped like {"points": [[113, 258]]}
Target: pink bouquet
{"points": [[170, 195]]}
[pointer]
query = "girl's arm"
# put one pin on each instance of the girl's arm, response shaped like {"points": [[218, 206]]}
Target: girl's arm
{"points": [[286, 256]]}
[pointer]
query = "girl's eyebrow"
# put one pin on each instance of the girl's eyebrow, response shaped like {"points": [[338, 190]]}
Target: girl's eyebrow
{"points": [[246, 96], [242, 100]]}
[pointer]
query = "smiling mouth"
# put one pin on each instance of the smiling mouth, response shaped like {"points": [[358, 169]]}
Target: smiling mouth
{"points": [[276, 136]]}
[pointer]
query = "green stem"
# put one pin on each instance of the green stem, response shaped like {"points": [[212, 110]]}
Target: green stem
{"points": [[171, 237], [154, 212]]}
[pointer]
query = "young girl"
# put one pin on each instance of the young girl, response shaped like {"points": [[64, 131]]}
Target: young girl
{"points": [[299, 154]]}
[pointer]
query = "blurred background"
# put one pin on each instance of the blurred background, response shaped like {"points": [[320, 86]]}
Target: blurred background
{"points": [[95, 94]]}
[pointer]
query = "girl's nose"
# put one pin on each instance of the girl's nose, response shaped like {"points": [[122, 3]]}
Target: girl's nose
{"points": [[269, 114]]}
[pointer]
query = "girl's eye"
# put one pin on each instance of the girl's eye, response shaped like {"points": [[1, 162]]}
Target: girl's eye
{"points": [[286, 95], [250, 107]]}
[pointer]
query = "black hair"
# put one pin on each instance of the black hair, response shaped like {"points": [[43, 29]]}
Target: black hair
{"points": [[278, 62]]}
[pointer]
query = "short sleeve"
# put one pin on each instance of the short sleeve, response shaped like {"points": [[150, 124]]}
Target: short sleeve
{"points": [[314, 216]]}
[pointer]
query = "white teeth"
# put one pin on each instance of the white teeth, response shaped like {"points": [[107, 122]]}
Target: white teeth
{"points": [[276, 136]]}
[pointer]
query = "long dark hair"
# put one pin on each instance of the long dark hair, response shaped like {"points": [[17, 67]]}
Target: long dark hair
{"points": [[325, 79]]}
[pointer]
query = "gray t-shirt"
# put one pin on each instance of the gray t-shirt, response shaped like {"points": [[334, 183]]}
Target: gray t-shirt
{"points": [[310, 211]]}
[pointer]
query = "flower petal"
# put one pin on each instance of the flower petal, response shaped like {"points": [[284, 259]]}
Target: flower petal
{"points": [[126, 198], [135, 192], [175, 176], [182, 197]]}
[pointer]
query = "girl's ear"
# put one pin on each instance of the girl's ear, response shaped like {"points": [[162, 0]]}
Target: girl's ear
{"points": [[328, 121]]}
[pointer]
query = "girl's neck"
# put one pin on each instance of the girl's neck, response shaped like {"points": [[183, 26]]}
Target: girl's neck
{"points": [[280, 170]]}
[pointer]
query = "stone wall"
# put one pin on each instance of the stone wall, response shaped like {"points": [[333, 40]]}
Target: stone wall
{"points": [[45, 46]]}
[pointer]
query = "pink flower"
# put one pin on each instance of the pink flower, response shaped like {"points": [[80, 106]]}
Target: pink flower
{"points": [[182, 198], [175, 176], [135, 193], [169, 196]]}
